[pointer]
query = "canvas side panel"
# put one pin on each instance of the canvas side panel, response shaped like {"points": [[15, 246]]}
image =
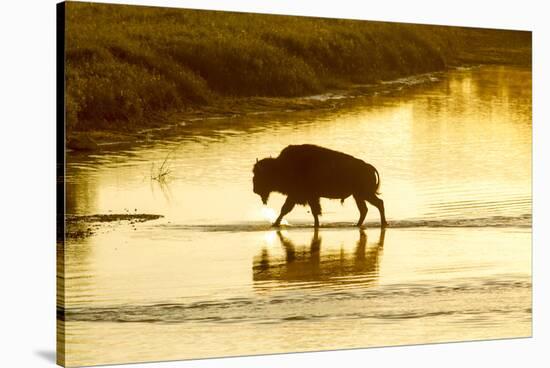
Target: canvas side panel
{"points": [[60, 185]]}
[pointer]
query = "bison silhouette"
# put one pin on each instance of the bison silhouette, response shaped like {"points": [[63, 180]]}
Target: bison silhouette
{"points": [[305, 173]]}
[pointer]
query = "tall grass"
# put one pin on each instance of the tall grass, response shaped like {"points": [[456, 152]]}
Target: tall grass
{"points": [[126, 63]]}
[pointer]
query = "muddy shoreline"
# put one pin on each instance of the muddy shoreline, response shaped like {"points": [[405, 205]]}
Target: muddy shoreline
{"points": [[83, 226]]}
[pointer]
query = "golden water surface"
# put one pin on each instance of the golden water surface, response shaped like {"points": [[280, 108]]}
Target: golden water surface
{"points": [[211, 278]]}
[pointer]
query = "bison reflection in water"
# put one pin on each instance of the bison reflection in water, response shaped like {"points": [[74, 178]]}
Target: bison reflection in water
{"points": [[301, 264], [305, 173]]}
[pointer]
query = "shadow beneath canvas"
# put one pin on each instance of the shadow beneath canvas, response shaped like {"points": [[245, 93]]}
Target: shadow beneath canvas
{"points": [[48, 355]]}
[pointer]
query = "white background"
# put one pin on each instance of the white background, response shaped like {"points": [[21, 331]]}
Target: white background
{"points": [[27, 180]]}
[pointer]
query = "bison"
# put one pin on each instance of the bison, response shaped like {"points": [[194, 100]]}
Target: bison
{"points": [[305, 173]]}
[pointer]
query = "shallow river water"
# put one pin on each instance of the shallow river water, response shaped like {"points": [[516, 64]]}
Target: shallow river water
{"points": [[211, 278]]}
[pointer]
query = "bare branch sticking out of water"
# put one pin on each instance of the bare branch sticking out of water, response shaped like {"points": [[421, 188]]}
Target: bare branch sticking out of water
{"points": [[162, 173]]}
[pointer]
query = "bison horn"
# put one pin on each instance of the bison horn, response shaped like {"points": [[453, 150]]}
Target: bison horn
{"points": [[256, 159]]}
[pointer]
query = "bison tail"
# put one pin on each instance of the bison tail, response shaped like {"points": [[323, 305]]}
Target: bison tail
{"points": [[377, 188]]}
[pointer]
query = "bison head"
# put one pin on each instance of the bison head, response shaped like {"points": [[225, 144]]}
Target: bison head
{"points": [[265, 175]]}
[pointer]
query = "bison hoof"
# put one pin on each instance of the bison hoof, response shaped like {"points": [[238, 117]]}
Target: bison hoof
{"points": [[275, 224], [384, 224]]}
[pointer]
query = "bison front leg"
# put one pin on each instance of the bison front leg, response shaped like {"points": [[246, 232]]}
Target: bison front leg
{"points": [[287, 207], [315, 206]]}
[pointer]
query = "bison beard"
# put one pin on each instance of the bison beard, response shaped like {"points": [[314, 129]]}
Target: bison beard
{"points": [[305, 173]]}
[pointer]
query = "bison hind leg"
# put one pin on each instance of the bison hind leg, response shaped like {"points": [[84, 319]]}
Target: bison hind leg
{"points": [[379, 203], [362, 206], [315, 206]]}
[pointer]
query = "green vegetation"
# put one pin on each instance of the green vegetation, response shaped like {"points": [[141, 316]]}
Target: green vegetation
{"points": [[127, 64]]}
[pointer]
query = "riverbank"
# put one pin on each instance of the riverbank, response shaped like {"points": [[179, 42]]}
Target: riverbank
{"points": [[130, 69], [246, 110]]}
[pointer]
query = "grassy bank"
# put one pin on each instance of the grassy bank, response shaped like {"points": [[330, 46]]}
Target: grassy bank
{"points": [[126, 65]]}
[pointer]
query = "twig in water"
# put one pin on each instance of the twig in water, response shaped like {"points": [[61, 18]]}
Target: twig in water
{"points": [[163, 171]]}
